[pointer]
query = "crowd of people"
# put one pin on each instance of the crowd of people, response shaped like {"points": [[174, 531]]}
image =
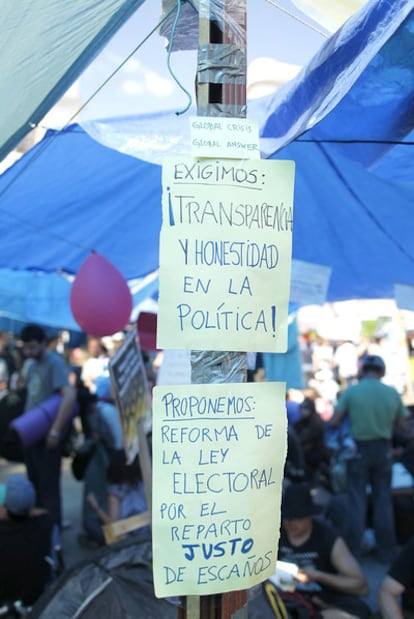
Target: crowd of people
{"points": [[346, 432], [348, 440], [34, 368]]}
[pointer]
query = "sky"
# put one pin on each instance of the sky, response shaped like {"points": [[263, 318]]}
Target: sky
{"points": [[144, 83]]}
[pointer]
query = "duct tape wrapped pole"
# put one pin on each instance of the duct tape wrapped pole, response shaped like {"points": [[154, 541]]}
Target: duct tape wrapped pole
{"points": [[221, 91]]}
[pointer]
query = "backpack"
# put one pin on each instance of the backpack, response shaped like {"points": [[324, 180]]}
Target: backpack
{"points": [[288, 604]]}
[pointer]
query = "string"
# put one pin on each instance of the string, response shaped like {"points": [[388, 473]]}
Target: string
{"points": [[119, 67], [301, 21], [170, 44], [355, 141], [46, 143]]}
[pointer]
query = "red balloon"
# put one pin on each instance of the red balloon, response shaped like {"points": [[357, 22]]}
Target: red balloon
{"points": [[100, 299]]}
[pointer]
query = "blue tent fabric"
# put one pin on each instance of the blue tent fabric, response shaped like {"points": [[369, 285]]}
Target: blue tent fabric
{"points": [[352, 115], [43, 298], [358, 87], [68, 196], [338, 121], [45, 45], [349, 219]]}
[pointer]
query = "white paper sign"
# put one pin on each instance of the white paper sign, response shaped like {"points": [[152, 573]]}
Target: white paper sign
{"points": [[175, 368], [404, 296], [218, 461], [232, 138], [225, 254], [309, 283]]}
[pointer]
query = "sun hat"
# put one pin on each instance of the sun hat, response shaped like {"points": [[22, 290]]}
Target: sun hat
{"points": [[297, 502], [20, 494]]}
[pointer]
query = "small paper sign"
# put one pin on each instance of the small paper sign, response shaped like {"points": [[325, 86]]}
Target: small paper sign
{"points": [[404, 296], [218, 459], [309, 283], [175, 368], [233, 138]]}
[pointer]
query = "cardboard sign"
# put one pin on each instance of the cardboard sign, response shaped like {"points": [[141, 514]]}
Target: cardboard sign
{"points": [[130, 384], [225, 255], [219, 453]]}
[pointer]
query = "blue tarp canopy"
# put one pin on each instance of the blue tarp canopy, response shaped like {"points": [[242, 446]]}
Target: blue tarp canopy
{"points": [[347, 120]]}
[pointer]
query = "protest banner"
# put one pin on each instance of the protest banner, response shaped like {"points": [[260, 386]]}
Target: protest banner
{"points": [[225, 254], [219, 453], [130, 384]]}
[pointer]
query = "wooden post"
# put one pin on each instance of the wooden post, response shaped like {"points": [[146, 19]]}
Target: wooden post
{"points": [[221, 91]]}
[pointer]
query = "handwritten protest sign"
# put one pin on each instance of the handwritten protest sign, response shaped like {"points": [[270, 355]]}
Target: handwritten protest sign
{"points": [[219, 452], [225, 254], [131, 390], [224, 137]]}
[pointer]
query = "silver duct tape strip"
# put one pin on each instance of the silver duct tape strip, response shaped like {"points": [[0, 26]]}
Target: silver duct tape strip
{"points": [[227, 14], [226, 75], [232, 13], [217, 367], [221, 68], [220, 109], [213, 67], [222, 56]]}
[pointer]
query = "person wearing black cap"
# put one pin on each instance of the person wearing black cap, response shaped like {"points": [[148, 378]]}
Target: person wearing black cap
{"points": [[328, 575], [26, 534], [374, 410]]}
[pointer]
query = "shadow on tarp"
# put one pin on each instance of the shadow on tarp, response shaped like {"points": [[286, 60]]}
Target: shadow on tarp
{"points": [[116, 581]]}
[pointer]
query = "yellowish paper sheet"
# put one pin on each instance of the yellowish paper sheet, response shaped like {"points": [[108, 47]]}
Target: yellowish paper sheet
{"points": [[218, 459], [225, 254]]}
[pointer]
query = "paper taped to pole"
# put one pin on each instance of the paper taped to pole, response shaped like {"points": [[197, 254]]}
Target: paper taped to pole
{"points": [[225, 254]]}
